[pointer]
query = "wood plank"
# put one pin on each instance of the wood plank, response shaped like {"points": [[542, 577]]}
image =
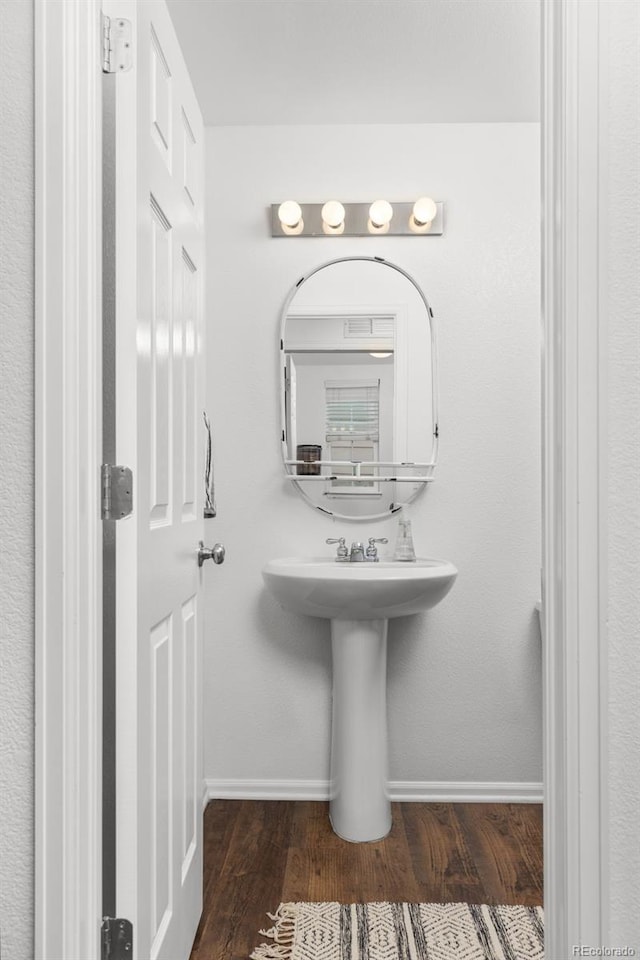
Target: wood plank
{"points": [[440, 858], [248, 881], [219, 821], [506, 844]]}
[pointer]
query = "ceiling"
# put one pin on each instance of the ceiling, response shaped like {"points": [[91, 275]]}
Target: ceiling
{"points": [[361, 61]]}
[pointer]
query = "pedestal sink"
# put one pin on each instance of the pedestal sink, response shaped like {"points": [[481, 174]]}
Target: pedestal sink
{"points": [[359, 599]]}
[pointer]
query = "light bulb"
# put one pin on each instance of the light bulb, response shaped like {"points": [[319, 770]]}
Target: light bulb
{"points": [[381, 356], [424, 211], [289, 213], [333, 213], [380, 213]]}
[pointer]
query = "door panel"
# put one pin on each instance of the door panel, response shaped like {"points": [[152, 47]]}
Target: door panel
{"points": [[190, 793], [160, 95], [186, 395], [161, 643], [159, 371], [159, 344]]}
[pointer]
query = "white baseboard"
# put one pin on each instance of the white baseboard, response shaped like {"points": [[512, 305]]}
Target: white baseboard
{"points": [[267, 789], [399, 790], [465, 792]]}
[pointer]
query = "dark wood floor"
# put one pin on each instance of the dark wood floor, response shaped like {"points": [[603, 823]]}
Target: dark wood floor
{"points": [[261, 853]]}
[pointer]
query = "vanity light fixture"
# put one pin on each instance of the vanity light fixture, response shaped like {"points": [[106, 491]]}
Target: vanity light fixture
{"points": [[334, 218]]}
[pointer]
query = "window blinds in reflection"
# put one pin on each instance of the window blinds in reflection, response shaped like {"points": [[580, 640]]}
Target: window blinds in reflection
{"points": [[352, 409]]}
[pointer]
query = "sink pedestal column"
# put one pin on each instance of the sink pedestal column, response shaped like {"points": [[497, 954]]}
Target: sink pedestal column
{"points": [[359, 801]]}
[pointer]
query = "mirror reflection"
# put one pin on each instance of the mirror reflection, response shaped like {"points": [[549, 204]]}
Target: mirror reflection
{"points": [[359, 415]]}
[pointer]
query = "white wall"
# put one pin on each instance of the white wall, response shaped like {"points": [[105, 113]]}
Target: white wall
{"points": [[622, 300], [16, 480], [464, 680]]}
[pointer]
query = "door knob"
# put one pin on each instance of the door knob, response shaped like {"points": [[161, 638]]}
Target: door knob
{"points": [[215, 553]]}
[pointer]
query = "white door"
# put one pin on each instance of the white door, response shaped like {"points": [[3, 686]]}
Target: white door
{"points": [[158, 432]]}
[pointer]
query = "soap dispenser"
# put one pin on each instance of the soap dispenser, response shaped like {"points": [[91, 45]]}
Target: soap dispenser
{"points": [[404, 542]]}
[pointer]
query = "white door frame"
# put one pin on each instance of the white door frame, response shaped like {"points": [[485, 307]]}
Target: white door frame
{"points": [[574, 244], [68, 455], [68, 550]]}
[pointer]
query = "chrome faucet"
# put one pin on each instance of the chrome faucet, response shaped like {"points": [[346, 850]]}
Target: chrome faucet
{"points": [[357, 554]]}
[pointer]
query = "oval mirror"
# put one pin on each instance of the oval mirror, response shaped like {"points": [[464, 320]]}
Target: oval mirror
{"points": [[359, 416]]}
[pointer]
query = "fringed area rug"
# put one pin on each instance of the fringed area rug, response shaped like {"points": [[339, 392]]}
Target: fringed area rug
{"points": [[403, 931]]}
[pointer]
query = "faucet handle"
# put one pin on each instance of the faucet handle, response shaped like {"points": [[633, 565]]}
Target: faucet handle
{"points": [[372, 550], [342, 552]]}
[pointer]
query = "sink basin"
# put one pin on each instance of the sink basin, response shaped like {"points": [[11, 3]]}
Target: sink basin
{"points": [[359, 599], [358, 591]]}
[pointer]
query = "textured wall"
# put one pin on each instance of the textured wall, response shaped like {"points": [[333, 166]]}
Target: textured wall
{"points": [[464, 679], [623, 302], [16, 480]]}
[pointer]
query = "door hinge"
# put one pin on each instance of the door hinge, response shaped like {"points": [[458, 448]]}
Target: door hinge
{"points": [[116, 939], [116, 494], [117, 51]]}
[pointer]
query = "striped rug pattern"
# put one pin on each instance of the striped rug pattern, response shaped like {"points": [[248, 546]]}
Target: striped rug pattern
{"points": [[403, 931]]}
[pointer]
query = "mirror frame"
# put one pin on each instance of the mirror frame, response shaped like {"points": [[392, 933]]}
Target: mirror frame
{"points": [[435, 431]]}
